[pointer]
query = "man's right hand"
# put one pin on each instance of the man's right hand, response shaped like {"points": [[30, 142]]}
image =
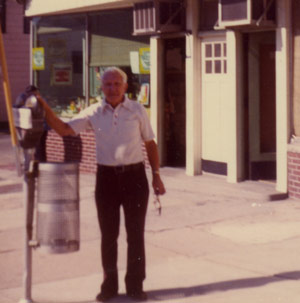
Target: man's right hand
{"points": [[62, 128]]}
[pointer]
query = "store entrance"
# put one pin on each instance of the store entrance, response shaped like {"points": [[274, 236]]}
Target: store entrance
{"points": [[261, 106], [174, 103]]}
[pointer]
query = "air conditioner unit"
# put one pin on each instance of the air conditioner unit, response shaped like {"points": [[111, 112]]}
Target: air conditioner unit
{"points": [[158, 16], [255, 13]]}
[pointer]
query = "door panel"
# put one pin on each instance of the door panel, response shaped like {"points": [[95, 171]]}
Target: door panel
{"points": [[215, 100]]}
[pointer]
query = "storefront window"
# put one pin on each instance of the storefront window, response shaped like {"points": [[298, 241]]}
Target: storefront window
{"points": [[60, 49], [112, 44], [58, 68]]}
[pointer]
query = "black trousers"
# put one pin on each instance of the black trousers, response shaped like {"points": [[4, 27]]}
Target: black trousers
{"points": [[129, 189]]}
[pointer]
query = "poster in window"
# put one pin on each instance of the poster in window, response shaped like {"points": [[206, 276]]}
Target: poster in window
{"points": [[143, 97], [134, 62], [61, 74], [38, 58], [144, 60]]}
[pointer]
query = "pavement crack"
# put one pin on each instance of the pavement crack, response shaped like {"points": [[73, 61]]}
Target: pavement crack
{"points": [[8, 251]]}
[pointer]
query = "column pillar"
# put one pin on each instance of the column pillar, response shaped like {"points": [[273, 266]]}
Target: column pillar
{"points": [[283, 77], [193, 91], [157, 92]]}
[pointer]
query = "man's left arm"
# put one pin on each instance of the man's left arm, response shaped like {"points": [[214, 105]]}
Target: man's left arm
{"points": [[152, 153]]}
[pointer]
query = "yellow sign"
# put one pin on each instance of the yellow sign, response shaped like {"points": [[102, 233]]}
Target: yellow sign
{"points": [[38, 58], [144, 60]]}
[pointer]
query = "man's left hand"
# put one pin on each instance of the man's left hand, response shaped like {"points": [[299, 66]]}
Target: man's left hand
{"points": [[158, 185]]}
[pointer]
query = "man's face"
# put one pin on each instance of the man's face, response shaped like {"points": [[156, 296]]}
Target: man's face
{"points": [[113, 88]]}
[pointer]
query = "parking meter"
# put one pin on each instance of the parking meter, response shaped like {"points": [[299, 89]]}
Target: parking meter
{"points": [[57, 207], [29, 121]]}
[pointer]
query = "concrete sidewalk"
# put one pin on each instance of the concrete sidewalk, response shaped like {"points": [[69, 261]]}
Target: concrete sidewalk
{"points": [[214, 242]]}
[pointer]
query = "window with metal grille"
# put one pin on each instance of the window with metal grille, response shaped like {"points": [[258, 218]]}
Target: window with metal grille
{"points": [[246, 12], [234, 10], [144, 17], [158, 16]]}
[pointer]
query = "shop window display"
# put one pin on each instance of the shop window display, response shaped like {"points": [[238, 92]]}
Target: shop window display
{"points": [[138, 85], [112, 44], [60, 49], [61, 78]]}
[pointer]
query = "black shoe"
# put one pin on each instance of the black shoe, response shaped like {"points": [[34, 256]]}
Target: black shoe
{"points": [[104, 297], [138, 296]]}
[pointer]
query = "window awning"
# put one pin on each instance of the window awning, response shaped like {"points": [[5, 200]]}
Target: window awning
{"points": [[39, 8]]}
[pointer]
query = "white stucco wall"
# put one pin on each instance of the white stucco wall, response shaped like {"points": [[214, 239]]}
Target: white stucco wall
{"points": [[193, 87], [17, 47]]}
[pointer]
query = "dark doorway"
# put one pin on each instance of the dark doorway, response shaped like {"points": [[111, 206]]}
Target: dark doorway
{"points": [[260, 106], [267, 98], [174, 103]]}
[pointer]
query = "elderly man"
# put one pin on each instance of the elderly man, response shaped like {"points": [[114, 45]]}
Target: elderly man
{"points": [[120, 127]]}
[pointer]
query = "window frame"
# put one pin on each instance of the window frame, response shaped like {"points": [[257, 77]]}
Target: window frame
{"points": [[211, 59]]}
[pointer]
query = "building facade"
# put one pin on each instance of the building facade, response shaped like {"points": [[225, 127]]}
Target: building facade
{"points": [[16, 38], [218, 77], [293, 146]]}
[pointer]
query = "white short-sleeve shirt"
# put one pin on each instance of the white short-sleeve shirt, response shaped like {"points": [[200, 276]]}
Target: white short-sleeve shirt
{"points": [[119, 132]]}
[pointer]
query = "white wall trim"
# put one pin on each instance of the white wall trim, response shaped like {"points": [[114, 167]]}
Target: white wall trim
{"points": [[283, 94], [157, 92], [193, 89], [235, 130]]}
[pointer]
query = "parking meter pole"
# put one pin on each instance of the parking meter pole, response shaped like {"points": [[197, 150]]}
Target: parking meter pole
{"points": [[29, 189], [28, 119]]}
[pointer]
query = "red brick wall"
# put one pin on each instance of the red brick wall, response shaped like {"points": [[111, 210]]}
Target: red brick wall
{"points": [[17, 50], [81, 148], [294, 174]]}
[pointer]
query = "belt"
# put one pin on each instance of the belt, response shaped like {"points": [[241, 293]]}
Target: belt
{"points": [[119, 169]]}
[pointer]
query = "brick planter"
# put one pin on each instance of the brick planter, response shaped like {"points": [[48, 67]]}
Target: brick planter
{"points": [[81, 148], [294, 170]]}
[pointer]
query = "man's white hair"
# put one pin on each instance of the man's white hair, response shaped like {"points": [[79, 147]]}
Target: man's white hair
{"points": [[115, 69]]}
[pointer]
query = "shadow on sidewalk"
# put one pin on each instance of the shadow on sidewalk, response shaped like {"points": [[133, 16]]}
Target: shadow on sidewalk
{"points": [[184, 292], [198, 290]]}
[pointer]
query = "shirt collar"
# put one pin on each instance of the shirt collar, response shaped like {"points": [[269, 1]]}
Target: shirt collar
{"points": [[126, 103]]}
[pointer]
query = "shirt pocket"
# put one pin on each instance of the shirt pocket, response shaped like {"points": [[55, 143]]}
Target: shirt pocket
{"points": [[129, 128]]}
